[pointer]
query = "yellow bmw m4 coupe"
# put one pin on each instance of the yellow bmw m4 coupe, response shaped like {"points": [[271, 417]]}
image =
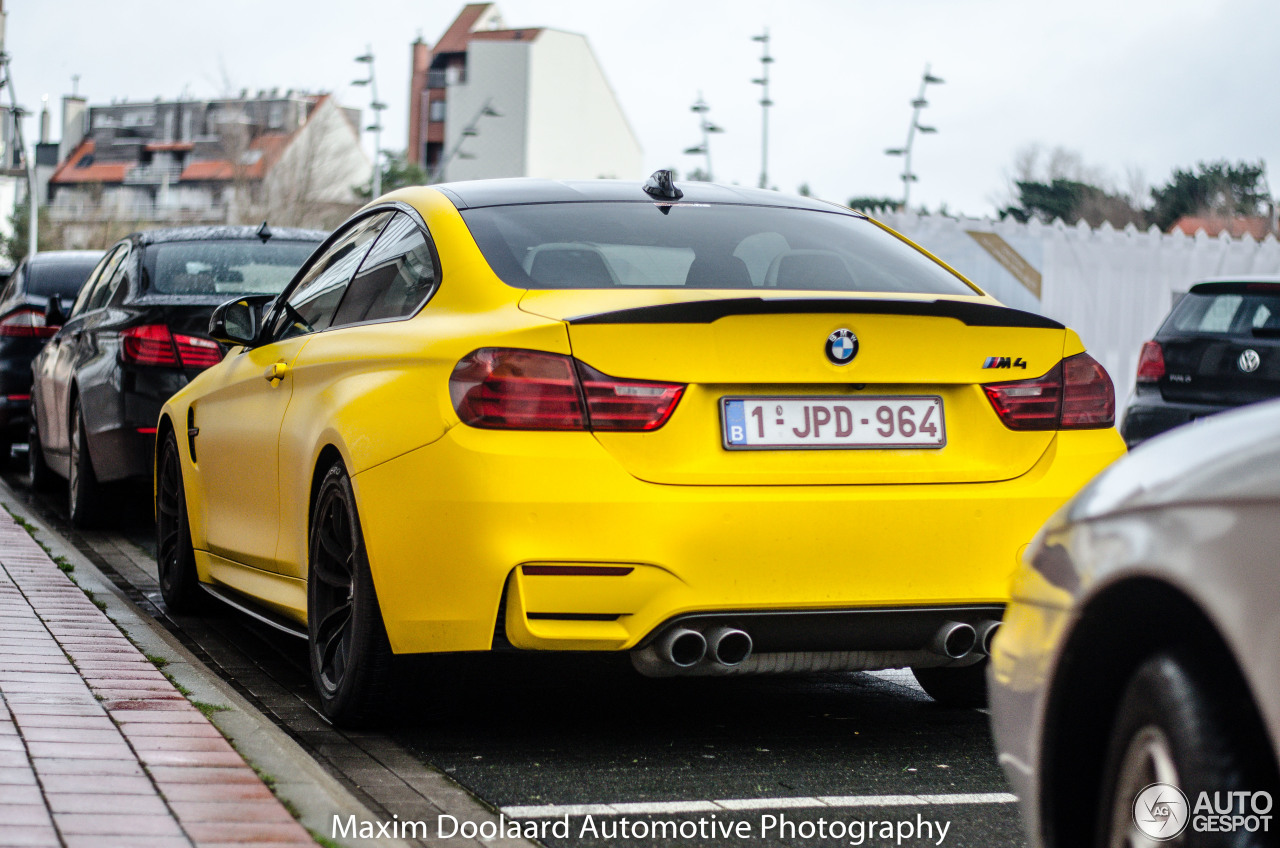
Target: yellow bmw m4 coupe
{"points": [[727, 431]]}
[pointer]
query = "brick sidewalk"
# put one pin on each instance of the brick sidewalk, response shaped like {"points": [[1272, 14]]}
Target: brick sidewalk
{"points": [[97, 748]]}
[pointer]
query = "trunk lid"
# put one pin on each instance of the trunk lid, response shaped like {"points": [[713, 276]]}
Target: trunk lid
{"points": [[1221, 344], [1220, 371], [739, 347]]}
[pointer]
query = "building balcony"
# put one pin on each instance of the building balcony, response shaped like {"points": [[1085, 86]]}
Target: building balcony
{"points": [[153, 175]]}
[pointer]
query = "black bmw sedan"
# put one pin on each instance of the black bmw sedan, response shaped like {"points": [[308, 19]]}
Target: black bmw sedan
{"points": [[136, 334], [23, 331]]}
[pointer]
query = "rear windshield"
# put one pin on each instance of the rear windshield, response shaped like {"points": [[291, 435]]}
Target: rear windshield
{"points": [[224, 267], [1233, 313], [701, 246], [63, 277]]}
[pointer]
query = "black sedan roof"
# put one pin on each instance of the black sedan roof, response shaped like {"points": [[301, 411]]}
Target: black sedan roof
{"points": [[170, 234], [506, 192]]}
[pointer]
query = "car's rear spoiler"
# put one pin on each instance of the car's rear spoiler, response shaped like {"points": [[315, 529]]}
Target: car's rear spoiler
{"points": [[707, 311]]}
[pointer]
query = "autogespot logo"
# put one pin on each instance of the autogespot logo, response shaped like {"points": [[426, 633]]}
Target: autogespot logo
{"points": [[1160, 812]]}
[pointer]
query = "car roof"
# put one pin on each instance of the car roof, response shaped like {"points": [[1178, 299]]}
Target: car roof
{"points": [[509, 192], [65, 257], [1239, 278], [225, 233]]}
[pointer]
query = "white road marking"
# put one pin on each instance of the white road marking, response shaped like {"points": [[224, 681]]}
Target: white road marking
{"points": [[541, 811]]}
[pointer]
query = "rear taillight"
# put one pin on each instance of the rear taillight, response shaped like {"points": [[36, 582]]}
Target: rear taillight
{"points": [[1088, 399], [1150, 363], [517, 390], [504, 389], [154, 344], [1076, 394], [614, 404], [196, 352], [26, 324]]}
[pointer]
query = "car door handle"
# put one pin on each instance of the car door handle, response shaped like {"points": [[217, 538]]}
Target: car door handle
{"points": [[277, 371]]}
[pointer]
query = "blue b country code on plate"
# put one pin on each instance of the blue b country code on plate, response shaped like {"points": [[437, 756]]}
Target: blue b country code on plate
{"points": [[801, 423]]}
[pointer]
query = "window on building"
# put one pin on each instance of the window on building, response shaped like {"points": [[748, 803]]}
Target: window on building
{"points": [[436, 111]]}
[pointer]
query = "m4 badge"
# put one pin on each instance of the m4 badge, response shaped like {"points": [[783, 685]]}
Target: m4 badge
{"points": [[1005, 362]]}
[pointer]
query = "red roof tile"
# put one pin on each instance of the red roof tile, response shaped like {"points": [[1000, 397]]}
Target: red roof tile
{"points": [[270, 145], [71, 172], [456, 36], [1214, 225], [208, 169]]}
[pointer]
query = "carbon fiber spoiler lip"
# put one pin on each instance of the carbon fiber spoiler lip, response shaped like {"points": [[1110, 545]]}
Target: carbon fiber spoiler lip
{"points": [[708, 311]]}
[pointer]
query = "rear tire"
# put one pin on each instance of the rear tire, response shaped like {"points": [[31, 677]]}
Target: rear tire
{"points": [[39, 474], [965, 686], [1183, 723], [351, 659], [175, 557], [84, 503]]}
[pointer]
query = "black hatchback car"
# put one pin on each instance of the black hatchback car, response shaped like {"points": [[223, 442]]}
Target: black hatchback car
{"points": [[23, 299], [1218, 349], [136, 334]]}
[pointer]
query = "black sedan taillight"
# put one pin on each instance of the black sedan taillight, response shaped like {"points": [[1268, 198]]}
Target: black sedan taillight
{"points": [[154, 344]]}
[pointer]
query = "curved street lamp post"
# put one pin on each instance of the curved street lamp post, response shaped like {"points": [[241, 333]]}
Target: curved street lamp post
{"points": [[908, 176]]}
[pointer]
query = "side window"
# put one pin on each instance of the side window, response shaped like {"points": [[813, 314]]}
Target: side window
{"points": [[94, 291], [396, 278], [15, 282], [311, 306], [117, 284]]}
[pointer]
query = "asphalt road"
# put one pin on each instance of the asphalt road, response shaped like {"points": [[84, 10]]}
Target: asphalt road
{"points": [[589, 753]]}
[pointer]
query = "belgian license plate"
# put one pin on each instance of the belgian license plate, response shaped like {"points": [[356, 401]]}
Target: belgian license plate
{"points": [[781, 423]]}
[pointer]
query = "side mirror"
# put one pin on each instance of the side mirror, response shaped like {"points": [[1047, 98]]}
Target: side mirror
{"points": [[53, 315], [237, 322]]}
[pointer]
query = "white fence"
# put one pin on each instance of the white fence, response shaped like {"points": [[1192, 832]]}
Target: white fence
{"points": [[1113, 287]]}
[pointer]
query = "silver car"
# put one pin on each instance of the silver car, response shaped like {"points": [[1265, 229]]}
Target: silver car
{"points": [[1135, 684]]}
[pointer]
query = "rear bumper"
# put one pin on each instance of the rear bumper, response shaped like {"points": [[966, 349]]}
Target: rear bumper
{"points": [[122, 420], [15, 414], [448, 528], [15, 386], [1148, 415]]}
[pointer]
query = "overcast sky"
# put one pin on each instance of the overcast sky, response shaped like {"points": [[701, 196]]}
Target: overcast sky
{"points": [[1131, 85]]}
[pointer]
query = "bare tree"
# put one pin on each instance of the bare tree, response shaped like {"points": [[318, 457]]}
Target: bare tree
{"points": [[311, 181]]}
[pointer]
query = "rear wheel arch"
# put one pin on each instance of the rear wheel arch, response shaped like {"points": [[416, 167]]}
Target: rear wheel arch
{"points": [[1117, 632], [163, 428], [73, 397], [329, 456]]}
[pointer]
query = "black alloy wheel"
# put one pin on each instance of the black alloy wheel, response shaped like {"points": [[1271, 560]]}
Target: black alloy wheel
{"points": [[175, 558], [39, 474], [951, 686], [84, 505], [351, 657]]}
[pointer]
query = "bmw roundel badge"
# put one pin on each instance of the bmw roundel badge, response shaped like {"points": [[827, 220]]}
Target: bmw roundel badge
{"points": [[842, 347]]}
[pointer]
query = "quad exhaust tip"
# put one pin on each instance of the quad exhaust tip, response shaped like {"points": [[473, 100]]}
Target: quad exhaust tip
{"points": [[682, 647], [986, 632], [729, 646], [955, 639]]}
